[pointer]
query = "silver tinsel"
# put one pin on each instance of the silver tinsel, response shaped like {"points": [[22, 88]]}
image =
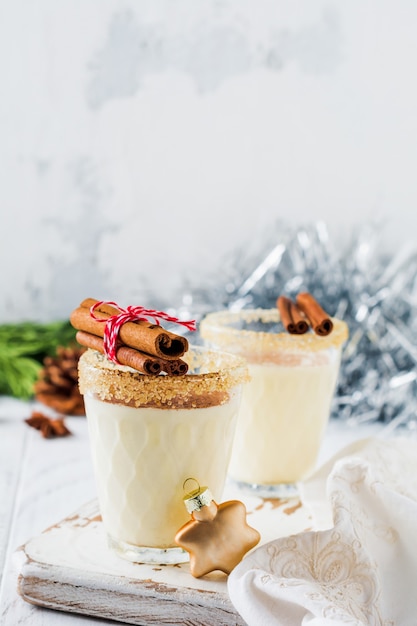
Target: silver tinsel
{"points": [[374, 292]]}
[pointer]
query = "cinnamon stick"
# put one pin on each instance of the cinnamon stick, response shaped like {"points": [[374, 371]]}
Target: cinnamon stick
{"points": [[291, 316], [104, 307], [133, 358], [141, 335], [126, 356], [176, 367], [319, 320]]}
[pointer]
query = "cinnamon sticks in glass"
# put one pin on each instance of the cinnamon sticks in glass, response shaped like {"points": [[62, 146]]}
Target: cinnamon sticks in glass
{"points": [[319, 320], [146, 347], [297, 316], [291, 316]]}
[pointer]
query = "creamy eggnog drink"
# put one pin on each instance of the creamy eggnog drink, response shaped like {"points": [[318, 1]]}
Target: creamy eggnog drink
{"points": [[148, 435], [286, 405]]}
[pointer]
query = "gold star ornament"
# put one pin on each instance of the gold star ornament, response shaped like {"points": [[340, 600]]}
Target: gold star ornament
{"points": [[217, 537]]}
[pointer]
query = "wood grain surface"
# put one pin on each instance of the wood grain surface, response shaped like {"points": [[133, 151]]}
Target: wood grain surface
{"points": [[69, 567]]}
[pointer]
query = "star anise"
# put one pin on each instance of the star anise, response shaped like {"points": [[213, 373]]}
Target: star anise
{"points": [[48, 426]]}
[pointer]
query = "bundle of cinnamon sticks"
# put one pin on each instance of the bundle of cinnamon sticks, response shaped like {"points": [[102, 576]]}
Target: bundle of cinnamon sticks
{"points": [[145, 347], [298, 316]]}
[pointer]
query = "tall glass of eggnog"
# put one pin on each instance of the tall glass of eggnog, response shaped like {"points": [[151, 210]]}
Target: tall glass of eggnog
{"points": [[286, 405], [148, 435]]}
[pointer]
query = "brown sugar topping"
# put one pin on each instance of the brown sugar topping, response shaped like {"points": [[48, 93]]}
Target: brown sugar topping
{"points": [[210, 381], [223, 330]]}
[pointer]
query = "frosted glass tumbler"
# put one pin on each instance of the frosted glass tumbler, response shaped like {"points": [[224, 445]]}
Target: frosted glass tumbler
{"points": [[148, 434], [286, 405]]}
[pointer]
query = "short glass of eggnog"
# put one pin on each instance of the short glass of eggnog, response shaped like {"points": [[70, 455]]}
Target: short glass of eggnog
{"points": [[148, 435], [286, 405]]}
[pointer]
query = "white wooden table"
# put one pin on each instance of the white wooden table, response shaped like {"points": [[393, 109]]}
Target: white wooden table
{"points": [[42, 481]]}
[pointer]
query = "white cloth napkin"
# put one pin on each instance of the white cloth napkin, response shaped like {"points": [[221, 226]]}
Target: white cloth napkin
{"points": [[362, 570]]}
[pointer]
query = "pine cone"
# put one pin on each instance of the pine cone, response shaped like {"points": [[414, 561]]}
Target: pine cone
{"points": [[57, 386]]}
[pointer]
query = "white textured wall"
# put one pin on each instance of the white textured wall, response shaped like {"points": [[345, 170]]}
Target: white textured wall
{"points": [[141, 141]]}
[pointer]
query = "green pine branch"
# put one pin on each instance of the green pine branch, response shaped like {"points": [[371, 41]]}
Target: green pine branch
{"points": [[23, 346]]}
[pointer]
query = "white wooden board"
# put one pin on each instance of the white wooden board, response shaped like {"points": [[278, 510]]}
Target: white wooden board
{"points": [[69, 567]]}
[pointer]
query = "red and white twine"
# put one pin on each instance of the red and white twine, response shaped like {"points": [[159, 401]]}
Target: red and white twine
{"points": [[131, 314]]}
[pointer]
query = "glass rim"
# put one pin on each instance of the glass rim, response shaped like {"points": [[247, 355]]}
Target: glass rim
{"points": [[217, 325], [108, 381]]}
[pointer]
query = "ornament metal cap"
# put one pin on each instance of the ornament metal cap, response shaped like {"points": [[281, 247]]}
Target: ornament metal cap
{"points": [[195, 500]]}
